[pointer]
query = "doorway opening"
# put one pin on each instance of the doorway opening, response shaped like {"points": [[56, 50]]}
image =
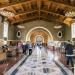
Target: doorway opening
{"points": [[39, 35]]}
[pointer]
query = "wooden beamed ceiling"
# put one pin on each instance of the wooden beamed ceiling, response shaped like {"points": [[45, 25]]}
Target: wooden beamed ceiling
{"points": [[50, 10], [4, 3]]}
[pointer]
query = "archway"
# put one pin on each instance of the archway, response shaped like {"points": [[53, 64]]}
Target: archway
{"points": [[41, 32], [39, 39]]}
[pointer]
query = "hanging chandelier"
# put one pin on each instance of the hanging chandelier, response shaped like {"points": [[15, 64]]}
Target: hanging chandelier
{"points": [[6, 13], [70, 14]]}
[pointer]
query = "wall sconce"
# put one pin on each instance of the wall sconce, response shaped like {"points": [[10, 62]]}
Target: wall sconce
{"points": [[57, 26], [20, 26]]}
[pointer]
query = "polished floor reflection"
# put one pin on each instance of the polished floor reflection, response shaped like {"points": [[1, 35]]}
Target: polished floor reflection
{"points": [[41, 62]]}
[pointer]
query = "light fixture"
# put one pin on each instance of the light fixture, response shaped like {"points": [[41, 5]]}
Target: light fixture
{"points": [[70, 14], [21, 26], [58, 26], [68, 21], [6, 13]]}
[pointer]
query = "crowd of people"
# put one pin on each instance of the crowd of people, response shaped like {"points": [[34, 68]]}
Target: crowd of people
{"points": [[27, 47], [22, 47]]}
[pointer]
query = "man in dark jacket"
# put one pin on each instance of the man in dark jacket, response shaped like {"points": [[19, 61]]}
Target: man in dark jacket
{"points": [[25, 48], [69, 53]]}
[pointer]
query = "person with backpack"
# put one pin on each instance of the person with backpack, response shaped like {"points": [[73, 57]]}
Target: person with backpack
{"points": [[69, 54], [30, 48]]}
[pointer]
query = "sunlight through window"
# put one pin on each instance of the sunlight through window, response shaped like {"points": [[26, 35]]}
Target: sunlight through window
{"points": [[73, 30], [5, 32]]}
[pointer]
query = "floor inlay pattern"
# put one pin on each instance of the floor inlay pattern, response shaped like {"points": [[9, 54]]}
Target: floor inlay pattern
{"points": [[39, 63]]}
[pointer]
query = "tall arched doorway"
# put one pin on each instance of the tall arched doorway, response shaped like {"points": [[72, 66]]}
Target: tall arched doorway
{"points": [[39, 39], [39, 35]]}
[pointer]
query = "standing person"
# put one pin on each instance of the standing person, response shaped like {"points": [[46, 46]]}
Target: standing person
{"points": [[30, 48], [69, 53], [40, 46], [24, 49]]}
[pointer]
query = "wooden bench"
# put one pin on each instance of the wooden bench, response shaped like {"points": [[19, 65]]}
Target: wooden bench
{"points": [[2, 57], [11, 51]]}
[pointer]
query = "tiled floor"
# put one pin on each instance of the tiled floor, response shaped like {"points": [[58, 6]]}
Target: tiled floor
{"points": [[38, 59]]}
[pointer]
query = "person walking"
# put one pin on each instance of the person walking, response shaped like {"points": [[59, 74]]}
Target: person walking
{"points": [[69, 54], [24, 48], [30, 48]]}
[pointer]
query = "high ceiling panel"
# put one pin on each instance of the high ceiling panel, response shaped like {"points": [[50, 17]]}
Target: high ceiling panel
{"points": [[25, 10]]}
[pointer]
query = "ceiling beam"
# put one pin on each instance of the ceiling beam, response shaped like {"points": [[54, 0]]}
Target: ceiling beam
{"points": [[41, 8]]}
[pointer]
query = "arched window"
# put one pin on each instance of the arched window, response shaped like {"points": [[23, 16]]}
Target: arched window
{"points": [[18, 34], [73, 30], [59, 34], [5, 30]]}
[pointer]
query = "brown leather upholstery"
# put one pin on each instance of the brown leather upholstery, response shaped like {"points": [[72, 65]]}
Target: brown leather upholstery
{"points": [[11, 51], [2, 56]]}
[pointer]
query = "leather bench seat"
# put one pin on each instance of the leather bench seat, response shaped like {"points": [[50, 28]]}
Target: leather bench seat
{"points": [[2, 57], [11, 52]]}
